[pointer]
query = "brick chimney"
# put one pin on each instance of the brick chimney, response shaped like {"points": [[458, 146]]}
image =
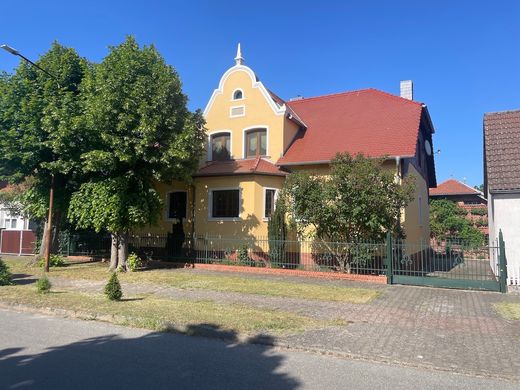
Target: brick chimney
{"points": [[407, 89]]}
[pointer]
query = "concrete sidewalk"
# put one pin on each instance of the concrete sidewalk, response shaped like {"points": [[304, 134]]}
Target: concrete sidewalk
{"points": [[452, 330]]}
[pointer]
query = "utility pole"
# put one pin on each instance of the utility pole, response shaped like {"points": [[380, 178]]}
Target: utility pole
{"points": [[48, 229]]}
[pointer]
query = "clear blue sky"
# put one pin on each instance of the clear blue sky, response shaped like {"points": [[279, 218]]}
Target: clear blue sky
{"points": [[463, 56]]}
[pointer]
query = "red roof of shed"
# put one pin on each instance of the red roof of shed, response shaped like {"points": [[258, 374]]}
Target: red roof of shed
{"points": [[454, 187], [367, 121]]}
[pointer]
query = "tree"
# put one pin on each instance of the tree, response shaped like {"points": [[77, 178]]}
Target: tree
{"points": [[480, 187], [144, 133], [359, 200], [40, 130], [447, 219]]}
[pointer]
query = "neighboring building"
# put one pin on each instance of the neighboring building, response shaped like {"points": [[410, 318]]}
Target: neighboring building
{"points": [[469, 198], [17, 234], [255, 139], [502, 183]]}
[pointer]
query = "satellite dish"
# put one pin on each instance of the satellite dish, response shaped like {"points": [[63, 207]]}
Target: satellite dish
{"points": [[428, 147]]}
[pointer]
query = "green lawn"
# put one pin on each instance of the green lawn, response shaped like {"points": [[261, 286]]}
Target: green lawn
{"points": [[146, 311], [509, 310], [191, 279]]}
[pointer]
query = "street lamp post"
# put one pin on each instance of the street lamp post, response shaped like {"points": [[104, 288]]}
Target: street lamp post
{"points": [[48, 230]]}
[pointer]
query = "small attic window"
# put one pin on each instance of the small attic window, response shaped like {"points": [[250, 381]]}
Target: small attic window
{"points": [[238, 95]]}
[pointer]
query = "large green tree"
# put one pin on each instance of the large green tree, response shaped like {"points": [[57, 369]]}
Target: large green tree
{"points": [[41, 132], [358, 200], [144, 133], [448, 220]]}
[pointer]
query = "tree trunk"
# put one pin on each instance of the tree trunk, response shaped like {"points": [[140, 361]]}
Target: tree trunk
{"points": [[123, 251], [43, 240], [114, 249]]}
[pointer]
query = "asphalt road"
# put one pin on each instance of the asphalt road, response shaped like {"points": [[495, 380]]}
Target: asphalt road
{"points": [[44, 352]]}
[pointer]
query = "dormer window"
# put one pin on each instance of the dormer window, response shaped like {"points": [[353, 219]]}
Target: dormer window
{"points": [[238, 95], [256, 143], [220, 146]]}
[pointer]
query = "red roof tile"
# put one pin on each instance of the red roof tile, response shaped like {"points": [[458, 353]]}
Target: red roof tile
{"points": [[501, 145], [257, 166], [368, 121], [454, 187]]}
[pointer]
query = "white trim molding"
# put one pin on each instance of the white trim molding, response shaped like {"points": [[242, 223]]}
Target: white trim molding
{"points": [[256, 127], [210, 149], [210, 204], [239, 115], [276, 192], [278, 110]]}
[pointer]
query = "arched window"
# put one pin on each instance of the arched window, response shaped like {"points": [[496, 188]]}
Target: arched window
{"points": [[238, 94], [256, 143], [220, 146]]}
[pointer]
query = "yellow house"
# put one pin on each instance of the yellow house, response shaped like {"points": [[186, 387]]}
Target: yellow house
{"points": [[255, 139]]}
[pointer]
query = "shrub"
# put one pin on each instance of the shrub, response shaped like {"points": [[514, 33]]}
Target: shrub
{"points": [[43, 285], [479, 211], [481, 222], [243, 257], [6, 278], [134, 262], [113, 288], [54, 261]]}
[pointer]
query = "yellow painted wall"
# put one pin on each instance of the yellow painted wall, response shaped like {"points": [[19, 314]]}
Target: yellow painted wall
{"points": [[250, 222], [416, 220], [258, 113]]}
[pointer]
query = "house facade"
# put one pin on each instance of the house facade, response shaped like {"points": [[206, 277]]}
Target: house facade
{"points": [[255, 139], [502, 184], [466, 197]]}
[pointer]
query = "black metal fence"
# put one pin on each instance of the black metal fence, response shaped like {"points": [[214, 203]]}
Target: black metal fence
{"points": [[451, 263]]}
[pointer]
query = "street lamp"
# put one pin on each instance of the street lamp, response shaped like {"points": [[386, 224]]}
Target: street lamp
{"points": [[48, 230]]}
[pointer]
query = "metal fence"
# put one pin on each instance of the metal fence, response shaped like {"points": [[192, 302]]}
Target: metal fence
{"points": [[450, 263]]}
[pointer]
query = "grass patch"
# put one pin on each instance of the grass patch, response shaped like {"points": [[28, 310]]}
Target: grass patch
{"points": [[166, 314], [509, 310], [190, 279]]}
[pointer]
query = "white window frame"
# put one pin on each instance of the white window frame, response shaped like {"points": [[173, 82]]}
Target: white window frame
{"points": [[210, 204], [167, 203], [276, 192], [237, 116], [257, 127], [210, 146], [233, 95]]}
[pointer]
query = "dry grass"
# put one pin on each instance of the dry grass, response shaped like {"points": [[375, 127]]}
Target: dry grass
{"points": [[190, 279], [509, 310], [165, 314]]}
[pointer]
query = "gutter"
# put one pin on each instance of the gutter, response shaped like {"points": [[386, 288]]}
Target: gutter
{"points": [[319, 162], [512, 191]]}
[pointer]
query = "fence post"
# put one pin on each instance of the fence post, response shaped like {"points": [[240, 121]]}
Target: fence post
{"points": [[502, 263], [389, 260], [68, 243]]}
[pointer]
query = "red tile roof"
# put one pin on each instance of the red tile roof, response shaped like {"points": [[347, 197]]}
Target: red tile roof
{"points": [[454, 187], [257, 166], [501, 150], [368, 121]]}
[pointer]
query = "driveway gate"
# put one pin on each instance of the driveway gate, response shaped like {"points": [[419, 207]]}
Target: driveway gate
{"points": [[451, 264]]}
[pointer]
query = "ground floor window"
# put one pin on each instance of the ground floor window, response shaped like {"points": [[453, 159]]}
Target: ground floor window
{"points": [[269, 201], [225, 203]]}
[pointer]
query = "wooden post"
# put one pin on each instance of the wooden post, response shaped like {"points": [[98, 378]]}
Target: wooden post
{"points": [[48, 238]]}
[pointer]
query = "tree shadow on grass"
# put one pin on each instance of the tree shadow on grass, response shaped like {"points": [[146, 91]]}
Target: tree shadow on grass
{"points": [[22, 279], [153, 361]]}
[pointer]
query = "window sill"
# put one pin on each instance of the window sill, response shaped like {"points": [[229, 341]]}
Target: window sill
{"points": [[224, 219]]}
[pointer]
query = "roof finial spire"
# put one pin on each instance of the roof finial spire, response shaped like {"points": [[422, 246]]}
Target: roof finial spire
{"points": [[239, 60]]}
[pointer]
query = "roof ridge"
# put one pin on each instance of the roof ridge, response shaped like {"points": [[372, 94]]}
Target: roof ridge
{"points": [[501, 112], [364, 90]]}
